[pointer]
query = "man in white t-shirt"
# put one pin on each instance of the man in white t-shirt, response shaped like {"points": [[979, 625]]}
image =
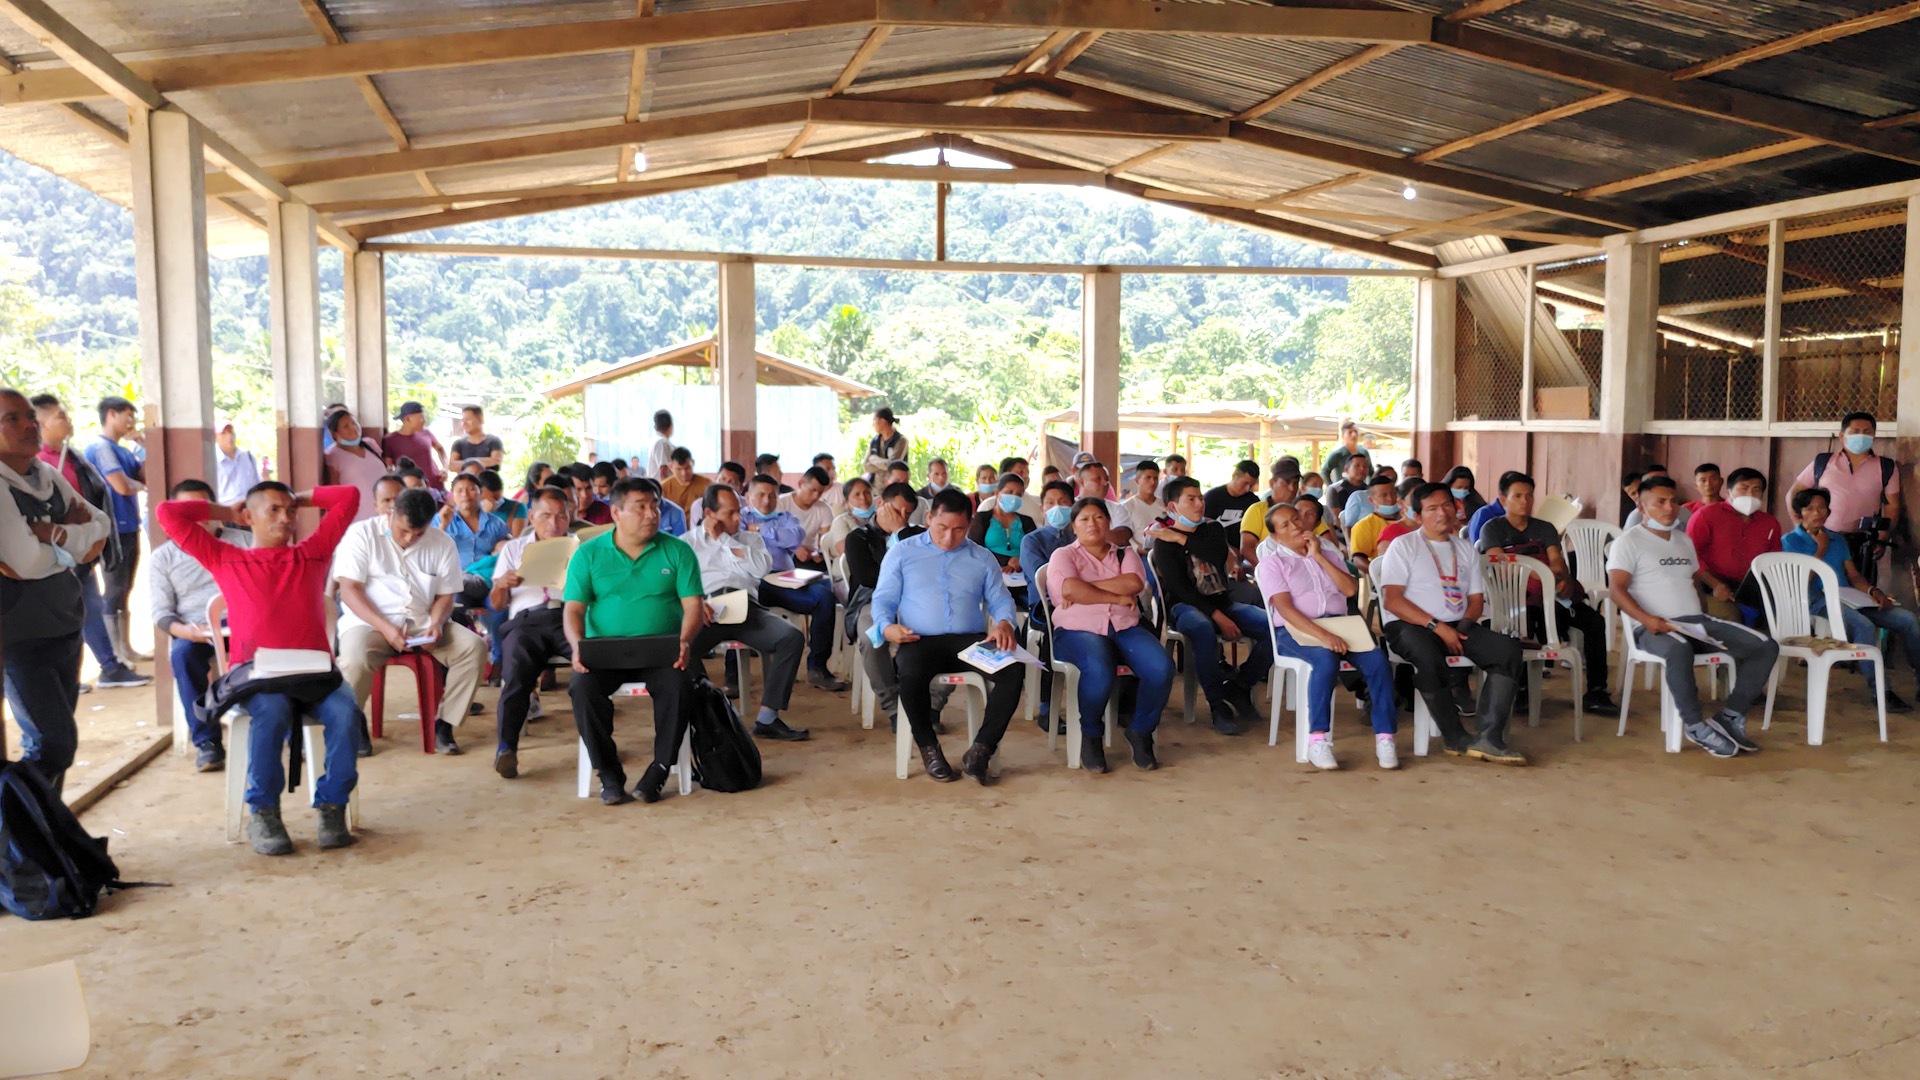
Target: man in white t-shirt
{"points": [[1431, 596], [1651, 572], [1095, 484], [661, 455], [808, 504], [1143, 507]]}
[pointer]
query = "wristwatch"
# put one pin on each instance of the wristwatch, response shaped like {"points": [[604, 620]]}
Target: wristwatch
{"points": [[1433, 624]]}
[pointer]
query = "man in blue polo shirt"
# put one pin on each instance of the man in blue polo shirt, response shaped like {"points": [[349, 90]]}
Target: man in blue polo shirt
{"points": [[121, 468], [632, 581], [939, 593]]}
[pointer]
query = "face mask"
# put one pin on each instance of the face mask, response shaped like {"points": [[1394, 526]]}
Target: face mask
{"points": [[1010, 503], [1057, 516], [1186, 521], [1859, 444], [1462, 493], [1388, 511], [938, 487], [988, 489], [1316, 493], [1745, 504], [892, 539], [862, 514]]}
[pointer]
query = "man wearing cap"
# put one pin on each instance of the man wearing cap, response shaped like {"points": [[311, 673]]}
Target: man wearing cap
{"points": [[1336, 463], [411, 439], [235, 468]]}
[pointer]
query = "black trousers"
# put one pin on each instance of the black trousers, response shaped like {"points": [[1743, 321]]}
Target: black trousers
{"points": [[117, 579], [43, 686], [779, 643], [592, 695], [919, 661], [528, 641], [1492, 653], [1593, 634]]}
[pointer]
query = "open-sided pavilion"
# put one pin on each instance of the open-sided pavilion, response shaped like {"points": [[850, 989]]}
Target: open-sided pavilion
{"points": [[1639, 231]]}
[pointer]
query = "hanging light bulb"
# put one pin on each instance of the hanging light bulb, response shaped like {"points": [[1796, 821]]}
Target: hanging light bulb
{"points": [[1408, 193], [640, 161]]}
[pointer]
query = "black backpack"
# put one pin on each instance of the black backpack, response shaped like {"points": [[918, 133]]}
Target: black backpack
{"points": [[49, 867], [724, 755]]}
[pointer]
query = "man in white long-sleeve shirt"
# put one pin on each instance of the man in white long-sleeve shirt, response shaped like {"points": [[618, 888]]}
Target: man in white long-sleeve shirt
{"points": [[733, 558], [46, 529]]}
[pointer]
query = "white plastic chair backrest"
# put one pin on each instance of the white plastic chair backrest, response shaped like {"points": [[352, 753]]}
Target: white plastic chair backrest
{"points": [[1589, 541], [217, 614], [1785, 589], [1507, 577], [837, 569]]}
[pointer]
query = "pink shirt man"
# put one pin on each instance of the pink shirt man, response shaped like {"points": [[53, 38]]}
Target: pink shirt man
{"points": [[1303, 579], [1074, 561], [1856, 492]]}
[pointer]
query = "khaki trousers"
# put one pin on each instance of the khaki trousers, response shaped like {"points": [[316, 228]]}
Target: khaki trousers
{"points": [[363, 651]]}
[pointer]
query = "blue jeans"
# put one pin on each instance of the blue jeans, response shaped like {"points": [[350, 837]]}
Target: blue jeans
{"points": [[1372, 667], [43, 686], [1204, 637], [814, 600], [273, 718], [1863, 627], [192, 669], [93, 624], [1097, 655]]}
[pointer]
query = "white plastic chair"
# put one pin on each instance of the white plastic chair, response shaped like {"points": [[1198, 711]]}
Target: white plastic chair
{"points": [[1784, 578], [1588, 541], [1507, 577], [976, 714], [1669, 714], [1190, 675], [1066, 689], [1290, 673], [239, 723], [684, 768], [1424, 729]]}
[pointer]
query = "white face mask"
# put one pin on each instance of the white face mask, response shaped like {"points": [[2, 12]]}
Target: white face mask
{"points": [[1745, 504]]}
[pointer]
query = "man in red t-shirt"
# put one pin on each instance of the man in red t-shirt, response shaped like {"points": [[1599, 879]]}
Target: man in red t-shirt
{"points": [[275, 600], [1727, 535], [411, 439]]}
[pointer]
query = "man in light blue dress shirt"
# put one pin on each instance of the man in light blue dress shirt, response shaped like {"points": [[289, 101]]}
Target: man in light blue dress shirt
{"points": [[784, 535], [938, 594]]}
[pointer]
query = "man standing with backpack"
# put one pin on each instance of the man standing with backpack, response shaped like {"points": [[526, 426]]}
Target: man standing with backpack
{"points": [[1862, 485], [46, 529]]}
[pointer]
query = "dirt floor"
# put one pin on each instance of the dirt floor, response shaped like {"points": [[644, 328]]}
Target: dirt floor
{"points": [[1612, 912]]}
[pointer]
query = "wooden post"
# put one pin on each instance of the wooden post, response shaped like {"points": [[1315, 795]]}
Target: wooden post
{"points": [[940, 193], [293, 282], [739, 366], [364, 276], [1100, 367]]}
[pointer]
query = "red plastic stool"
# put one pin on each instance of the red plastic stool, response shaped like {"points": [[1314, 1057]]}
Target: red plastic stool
{"points": [[429, 679]]}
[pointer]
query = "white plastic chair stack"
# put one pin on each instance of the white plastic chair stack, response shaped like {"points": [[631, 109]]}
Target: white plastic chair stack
{"points": [[976, 714], [239, 725], [1424, 729], [683, 768], [1507, 577], [1066, 691], [1290, 677], [1784, 580], [1669, 715], [1587, 542]]}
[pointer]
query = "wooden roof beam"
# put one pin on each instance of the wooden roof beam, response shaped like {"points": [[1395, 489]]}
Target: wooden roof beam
{"points": [[323, 25], [372, 57], [1695, 168], [636, 93], [543, 205], [875, 38], [1794, 42], [1317, 79]]}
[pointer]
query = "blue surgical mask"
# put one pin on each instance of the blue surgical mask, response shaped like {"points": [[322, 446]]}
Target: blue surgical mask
{"points": [[1316, 493], [1186, 521], [1388, 511], [892, 539], [1462, 493], [860, 513], [988, 489], [1859, 444], [1058, 516], [1010, 503]]}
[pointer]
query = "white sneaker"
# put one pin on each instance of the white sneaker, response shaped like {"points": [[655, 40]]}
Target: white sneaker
{"points": [[1320, 753], [1383, 749], [536, 711]]}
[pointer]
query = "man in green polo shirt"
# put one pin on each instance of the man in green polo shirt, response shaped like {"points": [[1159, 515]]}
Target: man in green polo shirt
{"points": [[633, 581]]}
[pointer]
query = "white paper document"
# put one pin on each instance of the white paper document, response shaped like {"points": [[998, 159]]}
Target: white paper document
{"points": [[273, 663], [989, 659], [729, 607], [543, 565], [1856, 599], [1349, 628], [423, 639], [1697, 634], [791, 579], [43, 1021], [1014, 581], [1556, 510]]}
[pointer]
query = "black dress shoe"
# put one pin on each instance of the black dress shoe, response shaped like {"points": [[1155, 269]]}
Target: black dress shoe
{"points": [[651, 781], [506, 763], [443, 739], [977, 763], [1093, 756], [614, 794], [936, 762], [1142, 749], [778, 729]]}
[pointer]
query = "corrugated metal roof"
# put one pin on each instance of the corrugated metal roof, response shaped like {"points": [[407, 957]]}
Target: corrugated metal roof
{"points": [[917, 52], [1213, 74], [1875, 74], [1632, 138], [1666, 34], [730, 74], [440, 103], [279, 120]]}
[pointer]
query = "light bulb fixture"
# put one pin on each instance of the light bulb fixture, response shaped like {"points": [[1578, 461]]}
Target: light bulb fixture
{"points": [[640, 161], [1408, 193]]}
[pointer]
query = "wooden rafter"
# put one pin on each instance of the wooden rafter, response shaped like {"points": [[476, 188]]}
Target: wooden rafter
{"points": [[1478, 9], [1040, 52], [1794, 42], [468, 198], [1897, 120], [1071, 51], [1423, 224], [875, 38], [1343, 180], [636, 94], [1459, 223], [1524, 123], [323, 25], [1695, 168], [1319, 78], [1142, 158]]}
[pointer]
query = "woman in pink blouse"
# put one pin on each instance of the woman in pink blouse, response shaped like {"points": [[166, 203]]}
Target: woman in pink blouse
{"points": [[1306, 579], [1092, 586]]}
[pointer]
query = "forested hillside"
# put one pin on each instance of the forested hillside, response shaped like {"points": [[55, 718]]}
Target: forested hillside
{"points": [[974, 347]]}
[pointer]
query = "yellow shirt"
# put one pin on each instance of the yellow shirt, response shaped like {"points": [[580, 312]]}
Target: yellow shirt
{"points": [[1254, 524], [1365, 537]]}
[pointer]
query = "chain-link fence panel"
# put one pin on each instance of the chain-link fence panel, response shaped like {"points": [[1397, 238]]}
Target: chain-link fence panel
{"points": [[1571, 299], [1486, 356], [1840, 300], [1713, 308]]}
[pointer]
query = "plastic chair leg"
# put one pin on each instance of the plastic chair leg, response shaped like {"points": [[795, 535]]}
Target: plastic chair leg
{"points": [[1773, 685], [685, 765], [1423, 726], [1276, 700], [902, 744], [1060, 709], [182, 734], [238, 748], [1669, 717], [1626, 692], [1533, 693], [1818, 675], [376, 707], [586, 771]]}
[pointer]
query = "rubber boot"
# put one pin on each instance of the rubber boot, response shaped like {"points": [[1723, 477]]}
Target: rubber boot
{"points": [[1497, 694], [1453, 736]]}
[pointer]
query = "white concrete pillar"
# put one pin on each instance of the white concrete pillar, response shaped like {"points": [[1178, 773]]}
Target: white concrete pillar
{"points": [[170, 269], [293, 328], [1630, 341], [1435, 310], [364, 342], [738, 366], [1100, 368]]}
